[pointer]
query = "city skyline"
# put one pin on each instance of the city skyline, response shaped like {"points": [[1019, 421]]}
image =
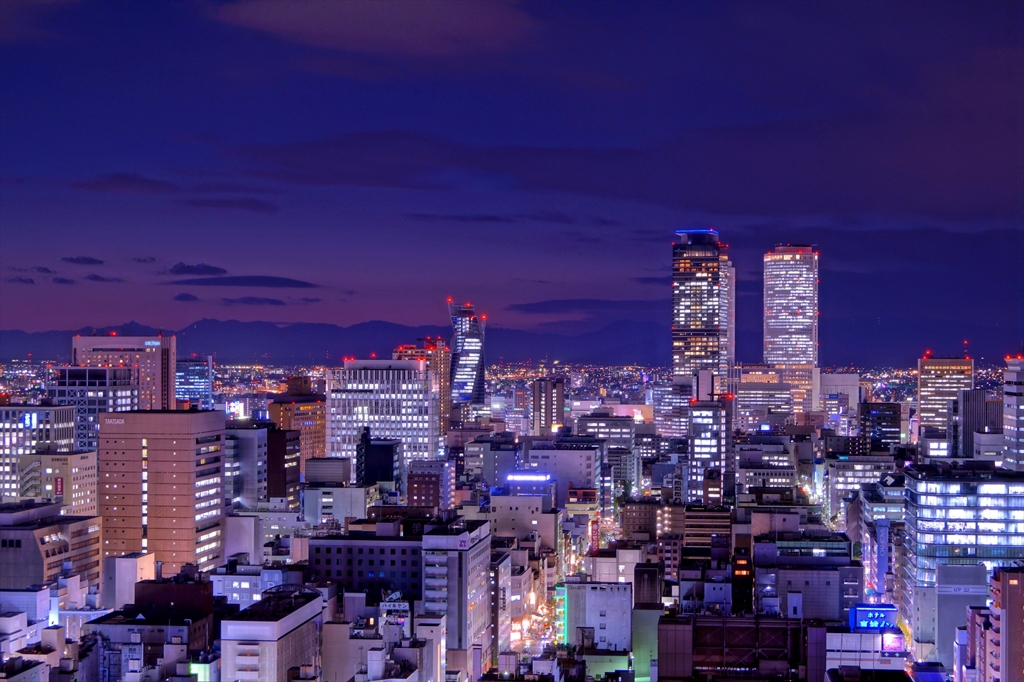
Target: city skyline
{"points": [[420, 160]]}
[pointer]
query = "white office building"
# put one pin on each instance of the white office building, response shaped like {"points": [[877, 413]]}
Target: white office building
{"points": [[397, 399]]}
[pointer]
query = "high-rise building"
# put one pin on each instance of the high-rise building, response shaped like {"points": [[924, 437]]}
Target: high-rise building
{"points": [[1013, 414], [879, 426], [306, 414], [276, 637], [152, 358], [26, 430], [938, 381], [959, 513], [456, 558], [672, 407], [66, 477], [162, 486], [396, 398], [36, 541], [548, 411], [439, 360], [969, 413], [791, 305], [467, 363], [194, 381], [711, 445], [283, 460], [92, 391], [245, 464], [703, 305]]}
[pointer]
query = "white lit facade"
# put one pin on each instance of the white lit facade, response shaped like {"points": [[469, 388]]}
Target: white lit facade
{"points": [[962, 516], [1013, 414], [397, 399], [710, 427], [151, 357], [791, 306], [939, 380], [27, 429], [92, 391]]}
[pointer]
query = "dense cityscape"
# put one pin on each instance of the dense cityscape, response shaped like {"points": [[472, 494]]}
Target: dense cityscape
{"points": [[166, 517], [511, 341]]}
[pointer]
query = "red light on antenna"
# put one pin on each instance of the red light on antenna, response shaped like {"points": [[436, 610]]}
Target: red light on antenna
{"points": [[449, 299], [373, 355]]}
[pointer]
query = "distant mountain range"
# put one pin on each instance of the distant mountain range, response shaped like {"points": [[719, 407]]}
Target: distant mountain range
{"points": [[231, 341]]}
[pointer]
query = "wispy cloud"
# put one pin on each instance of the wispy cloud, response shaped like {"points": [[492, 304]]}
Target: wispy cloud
{"points": [[82, 260], [185, 298], [658, 281], [197, 269], [62, 280], [100, 278], [241, 204], [252, 300], [43, 270], [128, 183], [588, 305], [247, 281], [20, 280], [144, 259]]}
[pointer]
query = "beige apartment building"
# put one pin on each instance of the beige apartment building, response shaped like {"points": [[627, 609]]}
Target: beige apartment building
{"points": [[161, 485], [151, 357]]}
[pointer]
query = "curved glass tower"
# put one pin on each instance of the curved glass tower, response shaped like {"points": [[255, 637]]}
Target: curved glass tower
{"points": [[467, 368]]}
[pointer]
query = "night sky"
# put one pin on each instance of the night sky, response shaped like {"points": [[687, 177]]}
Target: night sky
{"points": [[347, 161]]}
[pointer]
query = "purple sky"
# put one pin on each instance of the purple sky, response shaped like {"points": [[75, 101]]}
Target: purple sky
{"points": [[533, 158]]}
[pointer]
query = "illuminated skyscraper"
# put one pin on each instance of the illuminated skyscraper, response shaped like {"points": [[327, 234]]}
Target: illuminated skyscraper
{"points": [[791, 306], [548, 413], [791, 320], [467, 372], [439, 360], [152, 358], [703, 305], [194, 381], [1013, 414], [938, 381]]}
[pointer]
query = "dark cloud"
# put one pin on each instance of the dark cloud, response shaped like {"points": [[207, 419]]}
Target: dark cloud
{"points": [[241, 204], [438, 29], [311, 300], [198, 269], [248, 281], [43, 270], [101, 278], [835, 165], [20, 280], [144, 259], [589, 306], [555, 217], [128, 183], [658, 281], [185, 298], [82, 260], [62, 280], [461, 218], [252, 300]]}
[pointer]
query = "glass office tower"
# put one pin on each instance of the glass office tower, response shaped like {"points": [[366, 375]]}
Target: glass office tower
{"points": [[703, 305], [467, 363]]}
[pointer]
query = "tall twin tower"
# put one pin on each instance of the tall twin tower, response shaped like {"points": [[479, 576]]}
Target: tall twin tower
{"points": [[704, 308]]}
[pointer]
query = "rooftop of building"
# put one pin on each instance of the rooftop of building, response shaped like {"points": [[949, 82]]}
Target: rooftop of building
{"points": [[130, 615], [457, 527], [277, 603], [803, 535], [961, 470], [286, 398]]}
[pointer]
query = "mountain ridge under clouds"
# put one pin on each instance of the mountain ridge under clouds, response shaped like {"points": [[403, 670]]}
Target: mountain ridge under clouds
{"points": [[232, 341]]}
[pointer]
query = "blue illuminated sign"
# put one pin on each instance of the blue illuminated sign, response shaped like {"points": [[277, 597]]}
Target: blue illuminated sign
{"points": [[873, 617]]}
